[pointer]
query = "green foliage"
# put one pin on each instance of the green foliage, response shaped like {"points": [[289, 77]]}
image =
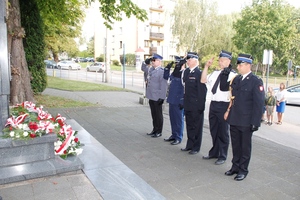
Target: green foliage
{"points": [[268, 25], [91, 47], [116, 62], [112, 10], [201, 29], [100, 58], [129, 59], [34, 44]]}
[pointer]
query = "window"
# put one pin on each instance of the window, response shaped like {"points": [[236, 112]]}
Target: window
{"points": [[121, 44], [158, 43], [146, 43]]}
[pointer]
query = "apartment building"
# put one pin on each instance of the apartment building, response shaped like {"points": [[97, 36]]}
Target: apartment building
{"points": [[136, 37]]}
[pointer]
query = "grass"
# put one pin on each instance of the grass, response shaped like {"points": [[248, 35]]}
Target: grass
{"points": [[70, 85]]}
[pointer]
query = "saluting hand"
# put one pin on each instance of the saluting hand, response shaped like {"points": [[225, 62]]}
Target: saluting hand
{"points": [[209, 62]]}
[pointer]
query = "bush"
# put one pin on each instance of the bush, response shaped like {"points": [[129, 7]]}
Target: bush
{"points": [[116, 62], [100, 59]]}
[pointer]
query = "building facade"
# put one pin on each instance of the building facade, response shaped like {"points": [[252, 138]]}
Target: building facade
{"points": [[136, 37]]}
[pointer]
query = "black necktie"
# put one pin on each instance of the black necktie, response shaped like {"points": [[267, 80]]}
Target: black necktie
{"points": [[214, 89]]}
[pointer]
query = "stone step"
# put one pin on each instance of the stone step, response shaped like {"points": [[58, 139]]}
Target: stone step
{"points": [[39, 169]]}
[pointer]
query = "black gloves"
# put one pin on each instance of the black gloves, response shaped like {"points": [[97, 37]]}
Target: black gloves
{"points": [[181, 62], [180, 106], [227, 70], [148, 61], [169, 65], [254, 128], [160, 101]]}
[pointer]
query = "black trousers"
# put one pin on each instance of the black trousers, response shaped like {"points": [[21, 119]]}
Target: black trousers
{"points": [[157, 116], [219, 130], [194, 128], [241, 140]]}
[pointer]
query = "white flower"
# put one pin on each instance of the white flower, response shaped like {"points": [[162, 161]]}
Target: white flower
{"points": [[12, 134], [17, 135], [78, 151], [25, 134]]}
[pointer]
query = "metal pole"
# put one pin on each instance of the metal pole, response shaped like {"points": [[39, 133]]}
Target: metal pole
{"points": [[4, 68], [123, 65]]}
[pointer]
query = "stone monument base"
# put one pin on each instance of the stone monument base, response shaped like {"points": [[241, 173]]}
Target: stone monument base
{"points": [[21, 160]]}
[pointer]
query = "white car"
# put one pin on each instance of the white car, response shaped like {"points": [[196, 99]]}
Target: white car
{"points": [[292, 94], [68, 64], [96, 67]]}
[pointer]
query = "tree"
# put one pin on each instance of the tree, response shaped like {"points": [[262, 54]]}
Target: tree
{"points": [[268, 25], [201, 29], [91, 47], [20, 84], [34, 45]]}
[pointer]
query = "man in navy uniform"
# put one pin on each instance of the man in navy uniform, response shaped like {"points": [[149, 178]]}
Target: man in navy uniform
{"points": [[175, 100], [194, 103], [156, 93], [219, 128], [244, 115]]}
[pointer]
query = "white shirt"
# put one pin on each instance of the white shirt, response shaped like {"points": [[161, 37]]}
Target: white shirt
{"points": [[223, 96], [280, 95]]}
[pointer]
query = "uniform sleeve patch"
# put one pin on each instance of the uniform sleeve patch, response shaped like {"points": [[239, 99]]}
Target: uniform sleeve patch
{"points": [[261, 88]]}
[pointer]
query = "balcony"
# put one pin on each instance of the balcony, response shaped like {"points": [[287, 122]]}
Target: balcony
{"points": [[156, 36], [157, 23], [152, 50], [157, 9]]}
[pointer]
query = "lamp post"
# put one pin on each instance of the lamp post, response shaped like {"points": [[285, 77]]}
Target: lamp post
{"points": [[267, 60]]}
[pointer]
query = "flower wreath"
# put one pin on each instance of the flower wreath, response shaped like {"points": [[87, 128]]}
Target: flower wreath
{"points": [[28, 121]]}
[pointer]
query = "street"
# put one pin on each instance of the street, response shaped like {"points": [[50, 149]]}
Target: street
{"points": [[135, 79]]}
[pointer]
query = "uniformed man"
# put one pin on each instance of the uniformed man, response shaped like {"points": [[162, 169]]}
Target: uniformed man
{"points": [[219, 128], [194, 103], [244, 115], [156, 93], [145, 68], [175, 100]]}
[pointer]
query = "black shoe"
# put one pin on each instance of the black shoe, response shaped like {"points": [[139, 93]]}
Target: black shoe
{"points": [[175, 142], [152, 133], [219, 162], [193, 152], [208, 157], [240, 177], [230, 173], [169, 139], [156, 135], [185, 149]]}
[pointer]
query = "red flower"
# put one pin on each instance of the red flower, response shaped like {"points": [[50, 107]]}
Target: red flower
{"points": [[33, 126], [76, 140], [32, 135], [65, 152], [10, 128]]}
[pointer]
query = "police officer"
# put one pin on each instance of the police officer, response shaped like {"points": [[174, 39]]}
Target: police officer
{"points": [[219, 128], [194, 103], [244, 115], [145, 68], [156, 93], [175, 100]]}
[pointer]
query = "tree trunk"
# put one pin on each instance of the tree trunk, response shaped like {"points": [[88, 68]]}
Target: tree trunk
{"points": [[20, 87]]}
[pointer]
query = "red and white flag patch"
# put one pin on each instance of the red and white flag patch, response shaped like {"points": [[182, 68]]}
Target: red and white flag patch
{"points": [[261, 88]]}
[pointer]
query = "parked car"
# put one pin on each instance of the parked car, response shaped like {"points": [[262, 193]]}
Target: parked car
{"points": [[50, 64], [68, 64], [96, 67], [90, 59], [292, 94]]}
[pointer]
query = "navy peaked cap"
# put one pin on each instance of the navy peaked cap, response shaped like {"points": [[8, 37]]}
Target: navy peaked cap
{"points": [[244, 58], [192, 55], [157, 56], [225, 54], [177, 58]]}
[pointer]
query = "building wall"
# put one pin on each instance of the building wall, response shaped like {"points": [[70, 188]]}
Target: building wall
{"points": [[135, 34]]}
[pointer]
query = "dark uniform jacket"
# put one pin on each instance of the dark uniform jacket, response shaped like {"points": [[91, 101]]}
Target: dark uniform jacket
{"points": [[195, 91], [248, 102]]}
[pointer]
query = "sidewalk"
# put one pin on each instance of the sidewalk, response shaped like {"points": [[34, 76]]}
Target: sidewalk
{"points": [[120, 124]]}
